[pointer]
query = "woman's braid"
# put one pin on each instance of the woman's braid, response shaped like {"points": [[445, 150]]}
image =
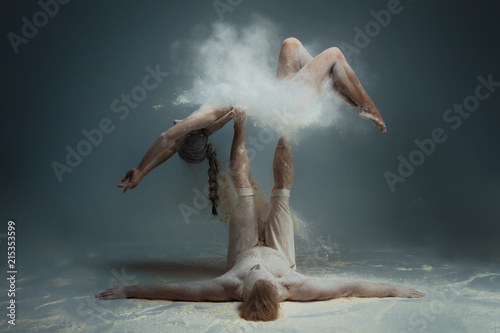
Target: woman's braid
{"points": [[213, 173]]}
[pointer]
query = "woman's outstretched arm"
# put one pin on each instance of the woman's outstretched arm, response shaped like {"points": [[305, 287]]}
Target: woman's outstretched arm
{"points": [[310, 289], [219, 289], [164, 147]]}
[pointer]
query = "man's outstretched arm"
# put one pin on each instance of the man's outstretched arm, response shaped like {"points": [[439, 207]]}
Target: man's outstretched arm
{"points": [[310, 289], [218, 289]]}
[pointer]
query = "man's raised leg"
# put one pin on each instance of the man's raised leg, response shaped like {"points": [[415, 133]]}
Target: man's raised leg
{"points": [[243, 224], [279, 225]]}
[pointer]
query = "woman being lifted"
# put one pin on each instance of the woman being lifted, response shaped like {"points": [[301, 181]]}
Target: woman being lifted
{"points": [[189, 137]]}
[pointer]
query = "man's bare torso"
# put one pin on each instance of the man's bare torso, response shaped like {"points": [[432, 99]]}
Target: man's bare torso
{"points": [[273, 260]]}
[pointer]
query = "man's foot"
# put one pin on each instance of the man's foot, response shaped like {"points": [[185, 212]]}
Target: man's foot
{"points": [[238, 114], [373, 115]]}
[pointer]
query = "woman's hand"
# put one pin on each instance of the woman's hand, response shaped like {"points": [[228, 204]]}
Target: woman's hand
{"points": [[113, 293], [134, 177]]}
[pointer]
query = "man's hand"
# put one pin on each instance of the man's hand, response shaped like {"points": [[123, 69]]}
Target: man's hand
{"points": [[406, 292], [134, 177]]}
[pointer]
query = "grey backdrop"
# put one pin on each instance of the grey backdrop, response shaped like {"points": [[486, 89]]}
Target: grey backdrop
{"points": [[64, 79]]}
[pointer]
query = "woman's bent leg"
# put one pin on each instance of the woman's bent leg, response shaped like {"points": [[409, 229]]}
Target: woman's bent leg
{"points": [[331, 64], [293, 56]]}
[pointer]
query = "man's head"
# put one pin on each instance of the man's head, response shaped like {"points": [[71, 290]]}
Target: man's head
{"points": [[260, 295]]}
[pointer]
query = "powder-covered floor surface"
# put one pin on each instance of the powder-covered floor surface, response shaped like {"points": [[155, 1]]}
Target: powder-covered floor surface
{"points": [[461, 296]]}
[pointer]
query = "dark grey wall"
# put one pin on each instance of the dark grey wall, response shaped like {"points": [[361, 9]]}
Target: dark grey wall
{"points": [[64, 79]]}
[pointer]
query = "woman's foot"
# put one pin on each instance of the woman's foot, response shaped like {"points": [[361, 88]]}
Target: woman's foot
{"points": [[371, 113]]}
